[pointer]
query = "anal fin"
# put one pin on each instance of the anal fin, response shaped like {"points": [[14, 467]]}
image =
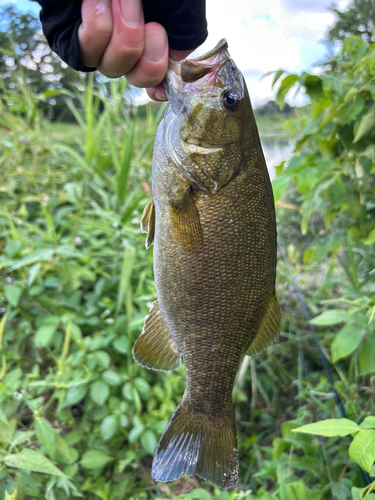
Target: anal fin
{"points": [[269, 329], [148, 222], [155, 347]]}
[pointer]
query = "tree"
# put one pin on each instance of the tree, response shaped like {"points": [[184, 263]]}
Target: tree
{"points": [[358, 20]]}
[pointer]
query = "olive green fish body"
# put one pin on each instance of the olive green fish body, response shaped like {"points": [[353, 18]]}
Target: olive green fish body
{"points": [[212, 222]]}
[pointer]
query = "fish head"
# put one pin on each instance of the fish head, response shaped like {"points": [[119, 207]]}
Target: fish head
{"points": [[209, 111]]}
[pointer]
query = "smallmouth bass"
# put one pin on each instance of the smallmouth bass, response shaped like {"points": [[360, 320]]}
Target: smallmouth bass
{"points": [[212, 222]]}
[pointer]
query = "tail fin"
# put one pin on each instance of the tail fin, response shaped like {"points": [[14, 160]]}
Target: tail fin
{"points": [[193, 442]]}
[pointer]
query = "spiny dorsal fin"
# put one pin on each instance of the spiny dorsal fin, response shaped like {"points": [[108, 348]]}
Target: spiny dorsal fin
{"points": [[155, 347], [269, 329], [148, 223]]}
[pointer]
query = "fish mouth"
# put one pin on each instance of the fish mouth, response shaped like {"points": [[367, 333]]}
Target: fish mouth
{"points": [[191, 70]]}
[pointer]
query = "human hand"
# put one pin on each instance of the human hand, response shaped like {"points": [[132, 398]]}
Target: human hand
{"points": [[114, 39]]}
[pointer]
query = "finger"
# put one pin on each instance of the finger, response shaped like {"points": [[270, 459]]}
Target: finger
{"points": [[127, 41], [152, 66], [178, 55], [157, 93], [95, 30]]}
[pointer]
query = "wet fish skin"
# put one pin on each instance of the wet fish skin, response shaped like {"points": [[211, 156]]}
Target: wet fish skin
{"points": [[212, 222]]}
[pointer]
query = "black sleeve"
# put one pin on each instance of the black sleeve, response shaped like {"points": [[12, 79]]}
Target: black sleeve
{"points": [[184, 21]]}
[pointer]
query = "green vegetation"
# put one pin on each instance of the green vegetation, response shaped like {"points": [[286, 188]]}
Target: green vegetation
{"points": [[80, 419]]}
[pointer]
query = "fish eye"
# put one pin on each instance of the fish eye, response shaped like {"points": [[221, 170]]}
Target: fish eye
{"points": [[231, 100]]}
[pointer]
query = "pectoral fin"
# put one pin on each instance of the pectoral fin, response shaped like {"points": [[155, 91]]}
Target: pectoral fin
{"points": [[148, 223], [155, 347], [185, 218], [269, 329]]}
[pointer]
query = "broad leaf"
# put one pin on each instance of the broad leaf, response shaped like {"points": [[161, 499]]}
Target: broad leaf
{"points": [[366, 125], [330, 427], [346, 341], [111, 378], [329, 318], [293, 491], [149, 442], [368, 423], [95, 459], [45, 434], [44, 335], [99, 392], [362, 449], [13, 295], [108, 427], [33, 461], [367, 356], [75, 394], [198, 493]]}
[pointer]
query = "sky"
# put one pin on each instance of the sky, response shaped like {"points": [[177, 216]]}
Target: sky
{"points": [[263, 36]]}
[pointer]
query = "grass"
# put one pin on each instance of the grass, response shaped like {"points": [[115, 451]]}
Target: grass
{"points": [[76, 284]]}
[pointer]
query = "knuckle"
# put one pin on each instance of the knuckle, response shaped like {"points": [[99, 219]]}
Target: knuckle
{"points": [[131, 52]]}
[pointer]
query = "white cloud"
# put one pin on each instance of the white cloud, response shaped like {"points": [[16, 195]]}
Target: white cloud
{"points": [[268, 35]]}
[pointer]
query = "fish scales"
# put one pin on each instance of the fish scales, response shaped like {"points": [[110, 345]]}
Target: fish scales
{"points": [[212, 222]]}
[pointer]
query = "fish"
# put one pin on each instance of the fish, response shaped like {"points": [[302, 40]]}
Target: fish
{"points": [[212, 222]]}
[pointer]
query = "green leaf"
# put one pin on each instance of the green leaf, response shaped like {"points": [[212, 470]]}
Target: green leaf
{"points": [[13, 294], [102, 359], [366, 125], [280, 185], [286, 84], [33, 461], [331, 317], [293, 491], [371, 238], [63, 453], [372, 471], [198, 493], [313, 85], [39, 255], [367, 356], [94, 459], [99, 392], [44, 334], [346, 341], [33, 273], [362, 449], [3, 417], [356, 493], [108, 427], [134, 434], [12, 248], [143, 386], [368, 423], [149, 441], [111, 378], [330, 427], [121, 344], [76, 394], [45, 434], [20, 438]]}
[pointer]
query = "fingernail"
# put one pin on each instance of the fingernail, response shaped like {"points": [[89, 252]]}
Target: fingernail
{"points": [[131, 12], [155, 44], [160, 97]]}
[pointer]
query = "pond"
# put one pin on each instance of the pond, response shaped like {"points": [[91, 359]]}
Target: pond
{"points": [[276, 148]]}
